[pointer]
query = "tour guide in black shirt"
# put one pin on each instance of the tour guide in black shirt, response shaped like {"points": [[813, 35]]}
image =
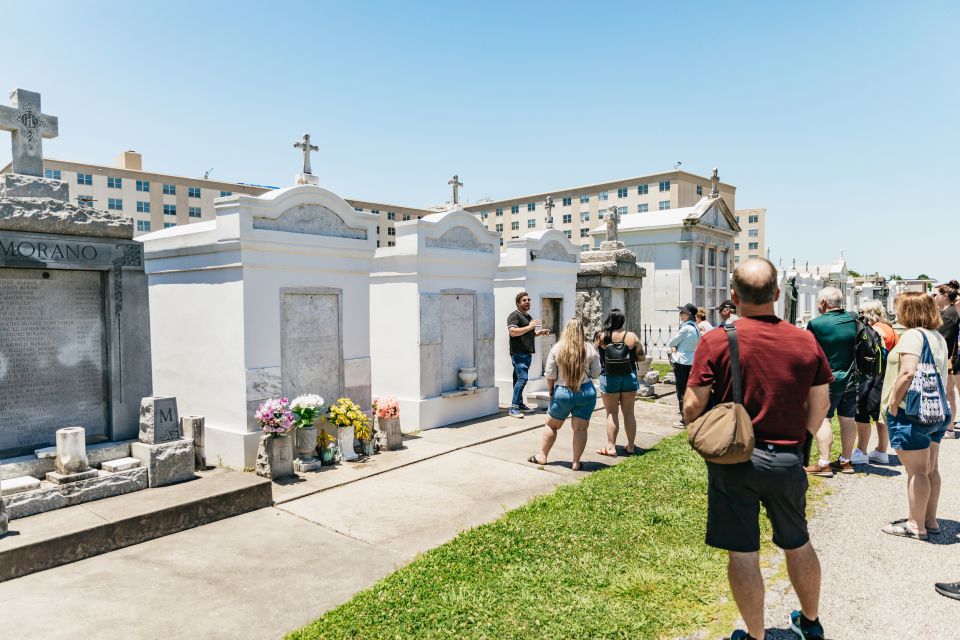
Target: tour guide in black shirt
{"points": [[523, 329]]}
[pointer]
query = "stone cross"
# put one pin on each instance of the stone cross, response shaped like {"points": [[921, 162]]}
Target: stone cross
{"points": [[548, 205], [715, 184], [28, 126], [613, 232], [307, 148], [455, 181]]}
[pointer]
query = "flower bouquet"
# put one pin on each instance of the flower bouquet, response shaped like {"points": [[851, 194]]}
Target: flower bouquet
{"points": [[306, 409], [387, 410], [274, 417], [327, 444], [351, 422]]}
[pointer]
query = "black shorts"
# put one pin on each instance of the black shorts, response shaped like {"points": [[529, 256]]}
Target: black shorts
{"points": [[868, 399], [843, 403], [774, 478]]}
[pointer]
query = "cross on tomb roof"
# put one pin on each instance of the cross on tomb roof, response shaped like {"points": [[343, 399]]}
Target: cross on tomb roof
{"points": [[548, 205], [307, 148], [28, 128], [455, 181]]}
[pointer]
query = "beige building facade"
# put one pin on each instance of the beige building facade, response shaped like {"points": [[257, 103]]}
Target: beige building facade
{"points": [[751, 242]]}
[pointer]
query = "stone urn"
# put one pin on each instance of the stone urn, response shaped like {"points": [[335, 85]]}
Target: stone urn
{"points": [[468, 377], [368, 446], [390, 428], [71, 450], [275, 457], [328, 454], [306, 444], [643, 366], [345, 443]]}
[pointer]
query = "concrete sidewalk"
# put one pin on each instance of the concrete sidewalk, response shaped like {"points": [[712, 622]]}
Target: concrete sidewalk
{"points": [[875, 585], [265, 573]]}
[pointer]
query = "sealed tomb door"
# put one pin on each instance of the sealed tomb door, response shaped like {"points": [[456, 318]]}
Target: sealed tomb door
{"points": [[551, 310], [311, 351]]}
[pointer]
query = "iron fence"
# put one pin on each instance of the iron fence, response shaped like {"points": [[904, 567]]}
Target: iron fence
{"points": [[655, 341]]}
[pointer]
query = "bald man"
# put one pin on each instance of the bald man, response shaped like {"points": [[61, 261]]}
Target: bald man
{"points": [[784, 380]]}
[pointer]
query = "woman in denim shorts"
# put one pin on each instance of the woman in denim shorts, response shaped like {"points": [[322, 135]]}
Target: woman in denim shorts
{"points": [[619, 350], [917, 445], [571, 365]]}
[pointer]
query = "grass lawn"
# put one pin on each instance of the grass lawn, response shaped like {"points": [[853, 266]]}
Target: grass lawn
{"points": [[663, 367], [618, 555]]}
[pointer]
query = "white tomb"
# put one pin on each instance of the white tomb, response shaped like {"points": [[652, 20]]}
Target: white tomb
{"points": [[432, 314], [544, 264], [688, 257], [270, 298]]}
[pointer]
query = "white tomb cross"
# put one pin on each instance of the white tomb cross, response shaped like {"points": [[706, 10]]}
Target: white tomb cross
{"points": [[307, 148], [455, 181], [715, 184], [28, 128], [548, 205], [613, 220]]}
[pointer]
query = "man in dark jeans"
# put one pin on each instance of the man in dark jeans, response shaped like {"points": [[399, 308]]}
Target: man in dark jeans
{"points": [[523, 329], [785, 378]]}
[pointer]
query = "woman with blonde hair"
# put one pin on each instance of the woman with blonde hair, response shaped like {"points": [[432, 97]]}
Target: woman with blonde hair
{"points": [[703, 325], [917, 444], [571, 365]]}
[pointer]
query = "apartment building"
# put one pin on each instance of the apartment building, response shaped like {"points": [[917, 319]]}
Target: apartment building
{"points": [[751, 242]]}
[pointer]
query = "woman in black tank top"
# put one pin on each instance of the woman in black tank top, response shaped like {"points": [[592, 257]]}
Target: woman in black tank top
{"points": [[619, 350]]}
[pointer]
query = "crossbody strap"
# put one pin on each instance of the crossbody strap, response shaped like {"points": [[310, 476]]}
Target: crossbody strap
{"points": [[735, 381]]}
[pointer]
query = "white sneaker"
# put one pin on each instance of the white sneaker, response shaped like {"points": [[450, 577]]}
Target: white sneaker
{"points": [[879, 457], [859, 457]]}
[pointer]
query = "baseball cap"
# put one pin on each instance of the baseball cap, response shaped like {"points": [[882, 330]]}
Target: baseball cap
{"points": [[688, 309], [726, 304]]}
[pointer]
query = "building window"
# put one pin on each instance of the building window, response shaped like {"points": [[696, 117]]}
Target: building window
{"points": [[736, 246], [499, 211], [699, 190], [600, 214], [664, 205], [622, 211], [568, 234], [378, 244], [193, 212], [375, 212], [114, 183], [169, 209], [391, 231], [515, 225], [567, 218], [378, 229], [115, 204], [753, 246], [737, 218], [753, 219], [143, 207], [584, 199], [224, 194], [531, 206], [622, 192], [84, 178], [167, 225], [584, 216], [515, 209], [664, 185], [754, 233], [391, 215], [567, 202], [360, 209], [193, 192], [52, 174], [584, 233], [642, 189], [643, 208], [85, 201], [603, 195], [531, 223], [143, 185], [584, 247], [406, 216], [169, 189], [500, 228], [143, 225], [501, 242], [391, 244]]}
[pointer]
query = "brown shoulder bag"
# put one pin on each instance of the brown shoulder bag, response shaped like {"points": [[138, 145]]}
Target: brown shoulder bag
{"points": [[724, 435]]}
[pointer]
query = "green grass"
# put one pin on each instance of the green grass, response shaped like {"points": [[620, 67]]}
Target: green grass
{"points": [[619, 554], [663, 367]]}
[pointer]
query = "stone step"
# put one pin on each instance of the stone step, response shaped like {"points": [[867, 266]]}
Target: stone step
{"points": [[58, 537], [18, 484], [120, 464]]}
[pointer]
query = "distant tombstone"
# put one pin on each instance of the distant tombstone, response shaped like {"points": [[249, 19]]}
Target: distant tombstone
{"points": [[158, 420]]}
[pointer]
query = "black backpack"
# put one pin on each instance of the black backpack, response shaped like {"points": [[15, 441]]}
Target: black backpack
{"points": [[616, 358], [868, 350]]}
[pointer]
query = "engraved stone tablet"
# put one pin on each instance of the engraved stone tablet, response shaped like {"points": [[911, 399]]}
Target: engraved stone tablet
{"points": [[310, 358], [52, 356], [158, 420]]}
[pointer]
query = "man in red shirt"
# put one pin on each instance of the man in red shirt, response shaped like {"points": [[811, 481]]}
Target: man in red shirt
{"points": [[785, 378]]}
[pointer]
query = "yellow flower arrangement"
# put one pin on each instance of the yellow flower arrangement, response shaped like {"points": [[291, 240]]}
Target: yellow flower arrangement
{"points": [[347, 413]]}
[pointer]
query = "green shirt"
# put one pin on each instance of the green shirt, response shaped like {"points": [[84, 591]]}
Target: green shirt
{"points": [[836, 331]]}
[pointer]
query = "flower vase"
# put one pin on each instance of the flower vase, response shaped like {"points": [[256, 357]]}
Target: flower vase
{"points": [[307, 443], [390, 427], [367, 446], [345, 443], [328, 454], [468, 377]]}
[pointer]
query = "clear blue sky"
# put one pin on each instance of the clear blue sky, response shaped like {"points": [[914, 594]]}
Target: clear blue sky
{"points": [[839, 117]]}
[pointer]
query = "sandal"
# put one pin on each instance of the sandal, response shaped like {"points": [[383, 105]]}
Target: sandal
{"points": [[606, 452], [534, 460], [932, 531], [902, 530]]}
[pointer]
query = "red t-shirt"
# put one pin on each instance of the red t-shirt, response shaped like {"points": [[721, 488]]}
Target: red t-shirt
{"points": [[778, 365]]}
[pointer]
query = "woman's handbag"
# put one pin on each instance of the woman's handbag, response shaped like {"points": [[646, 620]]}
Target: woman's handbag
{"points": [[926, 401], [724, 434]]}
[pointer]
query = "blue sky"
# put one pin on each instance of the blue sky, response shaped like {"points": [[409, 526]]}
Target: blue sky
{"points": [[839, 117]]}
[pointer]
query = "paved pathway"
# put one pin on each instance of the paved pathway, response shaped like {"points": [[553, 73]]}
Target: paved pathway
{"points": [[265, 573], [876, 585]]}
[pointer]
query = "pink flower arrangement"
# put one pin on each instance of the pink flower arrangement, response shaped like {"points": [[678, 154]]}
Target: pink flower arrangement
{"points": [[386, 407], [274, 416]]}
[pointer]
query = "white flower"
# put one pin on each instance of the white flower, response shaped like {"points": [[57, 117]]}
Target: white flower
{"points": [[307, 401]]}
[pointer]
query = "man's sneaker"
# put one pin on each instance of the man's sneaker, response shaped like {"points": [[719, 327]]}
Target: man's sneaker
{"points": [[949, 589], [951, 434], [859, 457], [842, 466], [817, 469], [811, 631], [526, 409], [879, 457], [515, 413]]}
